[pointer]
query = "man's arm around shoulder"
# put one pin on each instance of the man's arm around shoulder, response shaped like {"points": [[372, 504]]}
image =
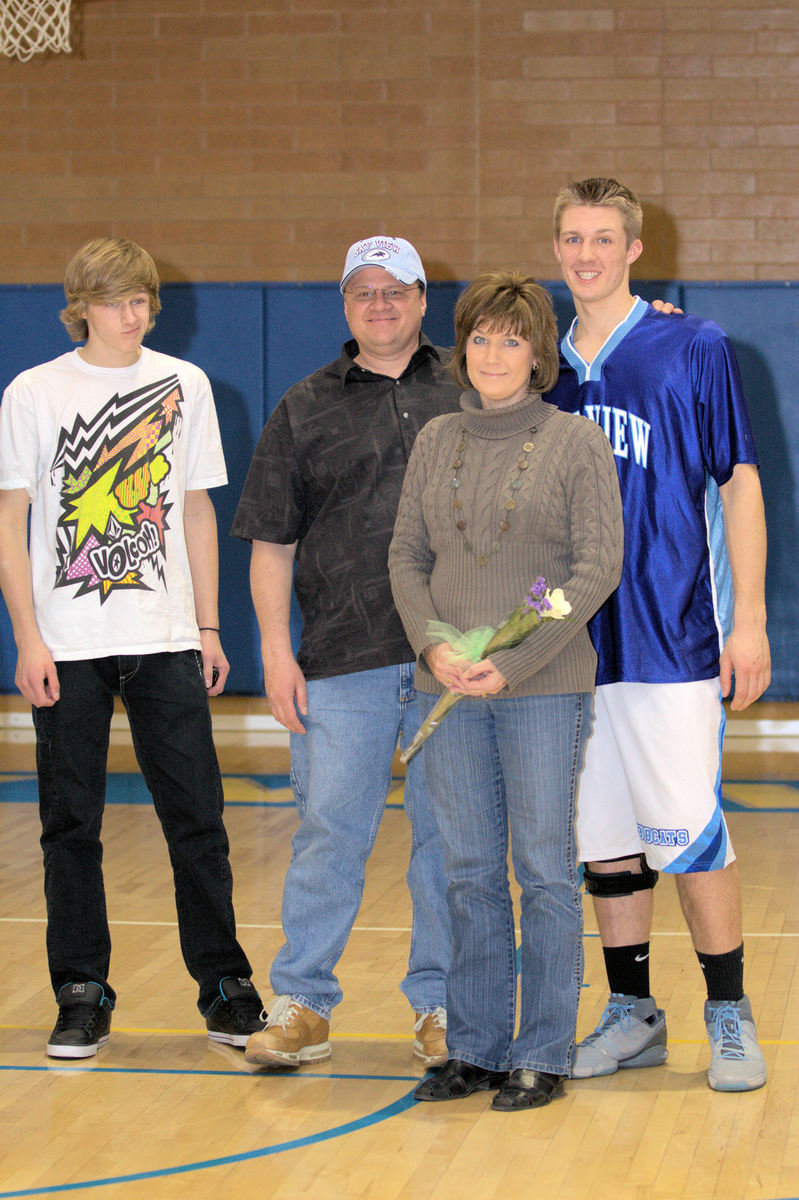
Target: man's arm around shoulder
{"points": [[271, 570], [36, 675]]}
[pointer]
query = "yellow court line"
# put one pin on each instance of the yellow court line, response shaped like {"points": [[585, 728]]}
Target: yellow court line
{"points": [[346, 1037], [118, 1029], [589, 933]]}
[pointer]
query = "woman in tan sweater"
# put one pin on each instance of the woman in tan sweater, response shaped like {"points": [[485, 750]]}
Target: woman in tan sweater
{"points": [[505, 492]]}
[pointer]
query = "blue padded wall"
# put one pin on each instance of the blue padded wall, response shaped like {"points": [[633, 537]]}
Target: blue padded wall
{"points": [[255, 340]]}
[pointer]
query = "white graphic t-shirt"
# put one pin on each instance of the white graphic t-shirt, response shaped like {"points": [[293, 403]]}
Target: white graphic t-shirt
{"points": [[106, 455]]}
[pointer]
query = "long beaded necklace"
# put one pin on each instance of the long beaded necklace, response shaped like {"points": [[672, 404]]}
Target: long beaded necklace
{"points": [[510, 500]]}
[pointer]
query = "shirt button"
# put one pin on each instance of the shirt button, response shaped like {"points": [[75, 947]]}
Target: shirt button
{"points": [[405, 415]]}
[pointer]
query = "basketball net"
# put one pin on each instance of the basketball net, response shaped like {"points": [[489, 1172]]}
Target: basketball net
{"points": [[29, 27]]}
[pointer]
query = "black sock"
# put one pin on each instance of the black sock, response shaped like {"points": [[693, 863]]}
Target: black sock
{"points": [[627, 969], [724, 974]]}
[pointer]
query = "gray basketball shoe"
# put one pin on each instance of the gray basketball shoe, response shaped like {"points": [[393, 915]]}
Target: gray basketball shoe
{"points": [[736, 1062], [631, 1033]]}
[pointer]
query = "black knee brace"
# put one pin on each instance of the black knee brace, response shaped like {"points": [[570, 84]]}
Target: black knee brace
{"points": [[619, 883]]}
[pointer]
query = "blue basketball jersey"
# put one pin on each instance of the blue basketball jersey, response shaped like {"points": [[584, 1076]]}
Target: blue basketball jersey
{"points": [[667, 392]]}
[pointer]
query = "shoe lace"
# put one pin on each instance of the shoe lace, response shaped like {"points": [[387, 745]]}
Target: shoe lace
{"points": [[616, 1013], [245, 1009], [283, 1011], [727, 1031], [439, 1018], [77, 1016]]}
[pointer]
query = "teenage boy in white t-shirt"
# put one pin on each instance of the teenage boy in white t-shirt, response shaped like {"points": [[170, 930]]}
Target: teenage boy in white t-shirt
{"points": [[113, 447]]}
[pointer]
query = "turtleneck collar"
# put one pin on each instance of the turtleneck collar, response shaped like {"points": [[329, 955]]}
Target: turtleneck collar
{"points": [[503, 422]]}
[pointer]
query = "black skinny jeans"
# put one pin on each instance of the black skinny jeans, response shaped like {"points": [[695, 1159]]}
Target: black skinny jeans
{"points": [[167, 705]]}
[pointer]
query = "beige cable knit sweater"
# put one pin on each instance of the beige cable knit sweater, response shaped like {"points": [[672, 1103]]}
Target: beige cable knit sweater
{"points": [[566, 526]]}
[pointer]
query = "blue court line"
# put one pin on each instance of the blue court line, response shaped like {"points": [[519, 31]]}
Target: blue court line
{"points": [[733, 806], [391, 1110], [65, 1068], [789, 783], [375, 1118], [736, 806], [130, 788]]}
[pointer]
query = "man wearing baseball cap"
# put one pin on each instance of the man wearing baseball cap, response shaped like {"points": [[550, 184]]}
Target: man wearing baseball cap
{"points": [[319, 502]]}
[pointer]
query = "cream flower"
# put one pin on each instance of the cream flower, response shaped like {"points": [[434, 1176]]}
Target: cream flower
{"points": [[560, 605]]}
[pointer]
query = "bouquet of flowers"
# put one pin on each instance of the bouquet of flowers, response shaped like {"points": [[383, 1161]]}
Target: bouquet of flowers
{"points": [[539, 605]]}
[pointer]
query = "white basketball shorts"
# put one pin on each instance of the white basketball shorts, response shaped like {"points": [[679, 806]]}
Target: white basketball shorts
{"points": [[652, 778]]}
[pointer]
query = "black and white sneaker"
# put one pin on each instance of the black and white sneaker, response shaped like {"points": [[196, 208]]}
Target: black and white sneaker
{"points": [[236, 1014], [84, 1020]]}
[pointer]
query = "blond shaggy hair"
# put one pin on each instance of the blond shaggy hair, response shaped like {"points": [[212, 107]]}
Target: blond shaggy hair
{"points": [[103, 271]]}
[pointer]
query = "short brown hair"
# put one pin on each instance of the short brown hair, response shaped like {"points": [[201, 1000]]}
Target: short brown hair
{"points": [[501, 301], [107, 269], [602, 193]]}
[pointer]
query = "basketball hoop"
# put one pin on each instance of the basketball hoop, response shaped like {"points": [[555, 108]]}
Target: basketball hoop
{"points": [[29, 27]]}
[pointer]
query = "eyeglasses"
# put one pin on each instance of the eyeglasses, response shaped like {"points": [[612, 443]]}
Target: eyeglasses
{"points": [[390, 295]]}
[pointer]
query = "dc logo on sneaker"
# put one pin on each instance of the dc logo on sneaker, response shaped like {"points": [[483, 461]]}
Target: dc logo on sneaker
{"points": [[245, 983], [78, 988]]}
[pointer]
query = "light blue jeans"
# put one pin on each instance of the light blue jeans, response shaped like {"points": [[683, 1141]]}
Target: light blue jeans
{"points": [[494, 764], [341, 773]]}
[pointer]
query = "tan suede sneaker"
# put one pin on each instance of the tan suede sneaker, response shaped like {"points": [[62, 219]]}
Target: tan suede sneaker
{"points": [[294, 1035], [430, 1044]]}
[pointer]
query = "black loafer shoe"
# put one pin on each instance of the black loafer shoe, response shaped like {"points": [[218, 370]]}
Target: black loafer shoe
{"points": [[457, 1079], [527, 1089]]}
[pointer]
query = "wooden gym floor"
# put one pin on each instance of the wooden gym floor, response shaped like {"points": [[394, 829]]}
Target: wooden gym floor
{"points": [[161, 1112]]}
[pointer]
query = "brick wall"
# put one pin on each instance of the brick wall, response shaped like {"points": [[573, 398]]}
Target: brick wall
{"points": [[255, 139]]}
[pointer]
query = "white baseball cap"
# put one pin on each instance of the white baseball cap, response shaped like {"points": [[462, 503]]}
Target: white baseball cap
{"points": [[394, 255]]}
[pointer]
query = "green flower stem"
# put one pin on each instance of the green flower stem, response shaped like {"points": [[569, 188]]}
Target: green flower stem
{"points": [[445, 704], [511, 633]]}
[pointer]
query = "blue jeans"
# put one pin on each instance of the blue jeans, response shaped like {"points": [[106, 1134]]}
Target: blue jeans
{"points": [[492, 764], [341, 773], [167, 706]]}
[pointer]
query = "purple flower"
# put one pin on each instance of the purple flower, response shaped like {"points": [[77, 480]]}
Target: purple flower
{"points": [[536, 599]]}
